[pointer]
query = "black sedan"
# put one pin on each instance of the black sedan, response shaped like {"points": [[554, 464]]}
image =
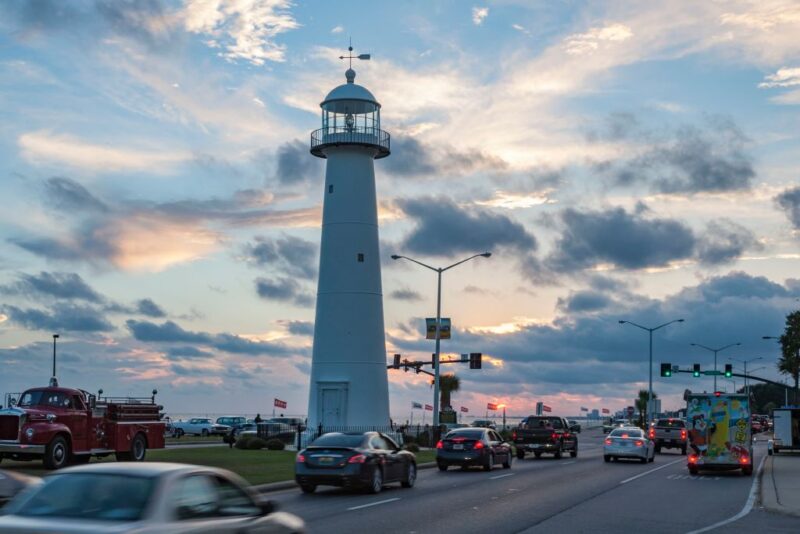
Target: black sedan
{"points": [[473, 446], [359, 460]]}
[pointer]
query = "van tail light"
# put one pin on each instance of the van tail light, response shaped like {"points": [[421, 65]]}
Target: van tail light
{"points": [[653, 433], [608, 441], [357, 459], [639, 443], [692, 458], [683, 434], [301, 459], [439, 444], [744, 460], [478, 445]]}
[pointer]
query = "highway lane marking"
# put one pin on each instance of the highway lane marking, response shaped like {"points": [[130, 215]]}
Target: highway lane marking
{"points": [[373, 504], [567, 463], [748, 506], [640, 475], [502, 476]]}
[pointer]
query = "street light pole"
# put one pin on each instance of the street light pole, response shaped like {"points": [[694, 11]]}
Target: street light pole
{"points": [[715, 351], [439, 271], [745, 362], [785, 391], [650, 385]]}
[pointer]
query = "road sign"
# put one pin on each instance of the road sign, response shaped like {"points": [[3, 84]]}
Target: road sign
{"points": [[713, 373], [430, 328]]}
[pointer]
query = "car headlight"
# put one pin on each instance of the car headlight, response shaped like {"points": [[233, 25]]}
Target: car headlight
{"points": [[29, 433]]}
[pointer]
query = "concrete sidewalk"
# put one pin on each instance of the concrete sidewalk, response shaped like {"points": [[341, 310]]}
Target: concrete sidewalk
{"points": [[780, 484]]}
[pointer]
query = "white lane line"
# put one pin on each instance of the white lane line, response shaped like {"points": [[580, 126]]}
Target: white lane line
{"points": [[640, 475], [502, 476], [747, 506], [374, 504], [567, 463]]}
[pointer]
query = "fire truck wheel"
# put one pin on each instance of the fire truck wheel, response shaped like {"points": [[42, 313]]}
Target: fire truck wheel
{"points": [[56, 454], [138, 448]]}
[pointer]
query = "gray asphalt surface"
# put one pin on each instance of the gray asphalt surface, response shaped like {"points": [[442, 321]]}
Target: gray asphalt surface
{"points": [[581, 494]]}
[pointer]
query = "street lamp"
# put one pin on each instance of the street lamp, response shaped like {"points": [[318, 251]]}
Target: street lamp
{"points": [[785, 391], [715, 351], [650, 386], [439, 271], [745, 362]]}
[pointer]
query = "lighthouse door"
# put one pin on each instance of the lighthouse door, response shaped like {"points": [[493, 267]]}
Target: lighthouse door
{"points": [[333, 404]]}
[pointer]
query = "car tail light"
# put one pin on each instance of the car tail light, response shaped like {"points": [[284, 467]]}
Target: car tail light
{"points": [[639, 443], [744, 460], [554, 436], [478, 445], [652, 433], [357, 459], [692, 458], [301, 459], [608, 441], [514, 435], [683, 434], [439, 444]]}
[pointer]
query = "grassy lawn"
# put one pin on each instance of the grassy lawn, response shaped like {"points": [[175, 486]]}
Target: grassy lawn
{"points": [[194, 439], [257, 467]]}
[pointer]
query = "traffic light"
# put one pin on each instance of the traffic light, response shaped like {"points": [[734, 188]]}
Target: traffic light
{"points": [[396, 363], [666, 370], [696, 370], [475, 360], [728, 370]]}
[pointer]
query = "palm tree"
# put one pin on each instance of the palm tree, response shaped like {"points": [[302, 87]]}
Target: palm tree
{"points": [[448, 383], [641, 405], [789, 363]]}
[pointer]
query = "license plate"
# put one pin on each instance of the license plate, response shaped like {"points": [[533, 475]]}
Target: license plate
{"points": [[325, 460], [536, 446], [625, 444], [458, 447]]}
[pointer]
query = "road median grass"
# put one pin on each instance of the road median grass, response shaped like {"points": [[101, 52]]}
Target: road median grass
{"points": [[257, 467]]}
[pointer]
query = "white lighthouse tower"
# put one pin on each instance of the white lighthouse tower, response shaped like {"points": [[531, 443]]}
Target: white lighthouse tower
{"points": [[349, 386]]}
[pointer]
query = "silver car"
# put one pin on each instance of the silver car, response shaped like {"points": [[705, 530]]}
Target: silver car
{"points": [[628, 442], [144, 498]]}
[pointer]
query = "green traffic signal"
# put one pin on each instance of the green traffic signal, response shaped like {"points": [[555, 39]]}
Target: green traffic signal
{"points": [[666, 370], [696, 370], [728, 370]]}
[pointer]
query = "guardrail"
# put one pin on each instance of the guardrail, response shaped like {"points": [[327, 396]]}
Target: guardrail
{"points": [[335, 136]]}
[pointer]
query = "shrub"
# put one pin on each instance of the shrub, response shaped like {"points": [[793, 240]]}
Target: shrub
{"points": [[250, 443], [275, 445], [412, 447]]}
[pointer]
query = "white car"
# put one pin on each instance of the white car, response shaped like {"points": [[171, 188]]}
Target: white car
{"points": [[199, 426], [628, 442], [145, 498]]}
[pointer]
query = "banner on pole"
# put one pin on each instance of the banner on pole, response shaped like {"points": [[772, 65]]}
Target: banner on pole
{"points": [[429, 407], [430, 328], [465, 409], [416, 405], [584, 409], [605, 410], [546, 408], [280, 403], [491, 406]]}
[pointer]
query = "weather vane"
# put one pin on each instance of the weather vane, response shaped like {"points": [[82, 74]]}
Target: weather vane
{"points": [[350, 55]]}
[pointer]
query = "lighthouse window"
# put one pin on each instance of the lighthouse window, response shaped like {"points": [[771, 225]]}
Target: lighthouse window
{"points": [[330, 188], [360, 257]]}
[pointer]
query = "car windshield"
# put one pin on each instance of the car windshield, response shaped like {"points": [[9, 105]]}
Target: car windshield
{"points": [[465, 433], [44, 398], [627, 433], [339, 440], [108, 497], [670, 423]]}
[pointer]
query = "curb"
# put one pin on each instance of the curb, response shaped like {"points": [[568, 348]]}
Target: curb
{"points": [[289, 484]]}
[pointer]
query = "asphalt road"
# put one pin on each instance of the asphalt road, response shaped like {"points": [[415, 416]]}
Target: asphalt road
{"points": [[581, 494]]}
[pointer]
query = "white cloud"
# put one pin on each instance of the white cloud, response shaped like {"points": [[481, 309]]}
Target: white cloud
{"points": [[44, 147], [337, 29], [244, 29], [3, 318], [583, 43], [785, 77], [478, 14], [502, 199], [521, 29]]}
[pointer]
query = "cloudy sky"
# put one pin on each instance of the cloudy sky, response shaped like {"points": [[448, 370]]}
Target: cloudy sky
{"points": [[623, 161]]}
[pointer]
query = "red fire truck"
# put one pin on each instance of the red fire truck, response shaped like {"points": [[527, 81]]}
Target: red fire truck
{"points": [[65, 426]]}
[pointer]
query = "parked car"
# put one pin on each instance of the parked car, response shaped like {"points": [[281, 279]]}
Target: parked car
{"points": [[484, 423], [468, 447], [12, 483], [144, 498], [231, 421], [669, 433], [628, 442], [354, 460], [199, 426], [544, 433]]}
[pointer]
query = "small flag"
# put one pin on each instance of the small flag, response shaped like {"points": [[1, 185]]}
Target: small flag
{"points": [[605, 410], [429, 407], [491, 406], [546, 408], [416, 405], [464, 409], [280, 403], [584, 409]]}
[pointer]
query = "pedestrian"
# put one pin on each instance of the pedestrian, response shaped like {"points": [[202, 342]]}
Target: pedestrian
{"points": [[258, 418], [231, 437]]}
